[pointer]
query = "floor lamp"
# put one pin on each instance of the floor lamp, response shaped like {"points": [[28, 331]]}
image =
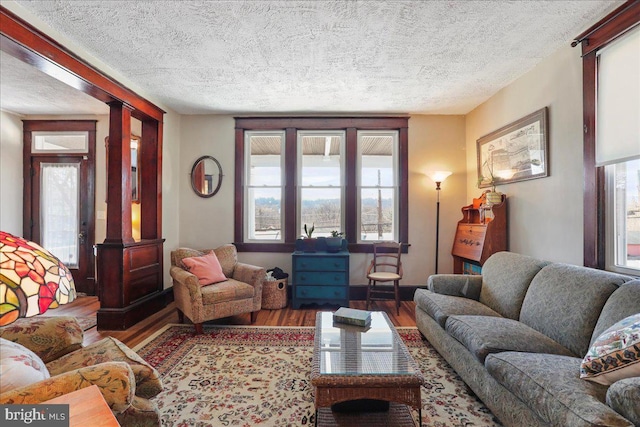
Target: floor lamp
{"points": [[438, 177]]}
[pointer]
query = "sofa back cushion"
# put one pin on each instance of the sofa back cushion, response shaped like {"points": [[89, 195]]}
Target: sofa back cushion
{"points": [[506, 276], [622, 303], [564, 303]]}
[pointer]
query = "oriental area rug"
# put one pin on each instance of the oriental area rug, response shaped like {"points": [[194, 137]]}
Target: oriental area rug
{"points": [[260, 376]]}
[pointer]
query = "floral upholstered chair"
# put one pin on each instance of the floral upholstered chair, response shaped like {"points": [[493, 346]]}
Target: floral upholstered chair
{"points": [[235, 288], [43, 358]]}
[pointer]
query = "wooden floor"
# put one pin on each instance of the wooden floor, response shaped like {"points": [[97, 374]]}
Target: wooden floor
{"points": [[86, 306]]}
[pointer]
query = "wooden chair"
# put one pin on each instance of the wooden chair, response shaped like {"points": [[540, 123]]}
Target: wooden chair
{"points": [[386, 266]]}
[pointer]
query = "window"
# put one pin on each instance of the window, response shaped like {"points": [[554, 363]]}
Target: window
{"points": [[611, 97], [618, 141], [623, 230], [321, 178], [345, 174], [264, 194], [378, 185], [60, 142]]}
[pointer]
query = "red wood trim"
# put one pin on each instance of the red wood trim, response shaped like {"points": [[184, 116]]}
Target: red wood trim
{"points": [[351, 186], [30, 45], [119, 190], [238, 234], [608, 28], [291, 230], [370, 123], [598, 36], [59, 125], [403, 203], [150, 185], [26, 183]]}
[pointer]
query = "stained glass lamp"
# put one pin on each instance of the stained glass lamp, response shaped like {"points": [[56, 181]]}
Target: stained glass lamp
{"points": [[32, 280]]}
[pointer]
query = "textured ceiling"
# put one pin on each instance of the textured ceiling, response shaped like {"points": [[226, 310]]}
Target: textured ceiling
{"points": [[435, 57], [26, 90]]}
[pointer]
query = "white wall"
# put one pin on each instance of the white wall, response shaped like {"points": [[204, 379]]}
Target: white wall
{"points": [[435, 142], [11, 173], [170, 188], [545, 215]]}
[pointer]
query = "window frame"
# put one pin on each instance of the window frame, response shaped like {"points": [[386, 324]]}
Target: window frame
{"points": [[595, 38], [291, 126]]}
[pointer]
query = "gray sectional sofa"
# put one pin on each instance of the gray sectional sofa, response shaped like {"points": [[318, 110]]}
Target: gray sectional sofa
{"points": [[517, 335]]}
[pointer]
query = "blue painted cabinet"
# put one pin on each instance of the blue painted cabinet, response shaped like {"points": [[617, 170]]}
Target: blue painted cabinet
{"points": [[320, 277]]}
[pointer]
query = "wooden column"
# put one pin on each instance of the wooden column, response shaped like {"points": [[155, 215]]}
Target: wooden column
{"points": [[119, 175], [130, 272], [151, 180]]}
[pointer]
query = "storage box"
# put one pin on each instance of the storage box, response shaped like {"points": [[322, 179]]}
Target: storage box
{"points": [[274, 294]]}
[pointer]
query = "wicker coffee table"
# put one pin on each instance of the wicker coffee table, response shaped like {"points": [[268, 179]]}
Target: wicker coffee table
{"points": [[363, 366]]}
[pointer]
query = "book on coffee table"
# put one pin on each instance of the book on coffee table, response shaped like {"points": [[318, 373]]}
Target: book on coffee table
{"points": [[352, 316]]}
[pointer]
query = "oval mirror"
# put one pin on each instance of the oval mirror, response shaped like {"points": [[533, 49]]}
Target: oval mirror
{"points": [[206, 176]]}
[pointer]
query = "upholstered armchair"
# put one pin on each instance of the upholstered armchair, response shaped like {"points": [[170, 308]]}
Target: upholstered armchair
{"points": [[239, 291], [43, 358]]}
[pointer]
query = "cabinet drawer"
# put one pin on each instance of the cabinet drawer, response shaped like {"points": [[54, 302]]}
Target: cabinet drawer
{"points": [[320, 278], [469, 241], [325, 263], [321, 292]]}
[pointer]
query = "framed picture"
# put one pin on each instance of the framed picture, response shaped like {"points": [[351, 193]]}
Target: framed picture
{"points": [[516, 152]]}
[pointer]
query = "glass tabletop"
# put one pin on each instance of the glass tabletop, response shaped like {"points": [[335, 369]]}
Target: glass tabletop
{"points": [[352, 350]]}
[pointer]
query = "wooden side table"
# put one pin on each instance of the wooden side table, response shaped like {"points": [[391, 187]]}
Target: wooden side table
{"points": [[87, 407]]}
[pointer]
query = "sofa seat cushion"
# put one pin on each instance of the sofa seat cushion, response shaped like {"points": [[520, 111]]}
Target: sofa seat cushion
{"points": [[483, 335], [440, 307], [624, 397], [551, 386], [229, 290], [148, 382]]}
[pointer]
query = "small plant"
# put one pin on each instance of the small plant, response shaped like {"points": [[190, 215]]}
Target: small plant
{"points": [[336, 233], [309, 231]]}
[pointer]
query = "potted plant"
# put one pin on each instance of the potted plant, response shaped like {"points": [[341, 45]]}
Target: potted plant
{"points": [[334, 243], [308, 241], [493, 197]]}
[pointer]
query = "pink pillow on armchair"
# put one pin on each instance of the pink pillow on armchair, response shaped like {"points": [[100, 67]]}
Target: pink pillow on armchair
{"points": [[206, 268]]}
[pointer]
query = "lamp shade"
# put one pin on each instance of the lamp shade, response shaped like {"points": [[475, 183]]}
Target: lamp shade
{"points": [[439, 176], [32, 280]]}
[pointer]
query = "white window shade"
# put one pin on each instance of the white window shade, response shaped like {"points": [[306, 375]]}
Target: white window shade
{"points": [[618, 101]]}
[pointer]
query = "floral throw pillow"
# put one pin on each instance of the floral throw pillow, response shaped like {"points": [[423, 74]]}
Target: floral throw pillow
{"points": [[206, 268], [19, 366], [615, 354]]}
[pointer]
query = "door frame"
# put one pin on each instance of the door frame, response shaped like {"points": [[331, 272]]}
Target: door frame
{"points": [[83, 284]]}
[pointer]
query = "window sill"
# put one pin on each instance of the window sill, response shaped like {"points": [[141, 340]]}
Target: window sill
{"points": [[289, 247]]}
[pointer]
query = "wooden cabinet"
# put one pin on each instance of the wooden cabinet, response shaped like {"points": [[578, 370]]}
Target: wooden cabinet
{"points": [[481, 232], [320, 277]]}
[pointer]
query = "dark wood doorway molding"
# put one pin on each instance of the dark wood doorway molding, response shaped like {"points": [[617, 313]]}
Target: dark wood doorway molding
{"points": [[130, 273], [591, 41]]}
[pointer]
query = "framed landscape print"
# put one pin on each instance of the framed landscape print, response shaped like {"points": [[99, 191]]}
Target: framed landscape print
{"points": [[516, 152]]}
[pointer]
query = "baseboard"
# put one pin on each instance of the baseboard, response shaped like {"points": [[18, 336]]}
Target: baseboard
{"points": [[359, 292]]}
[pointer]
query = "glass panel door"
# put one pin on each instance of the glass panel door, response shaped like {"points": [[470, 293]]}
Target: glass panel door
{"points": [[59, 210]]}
